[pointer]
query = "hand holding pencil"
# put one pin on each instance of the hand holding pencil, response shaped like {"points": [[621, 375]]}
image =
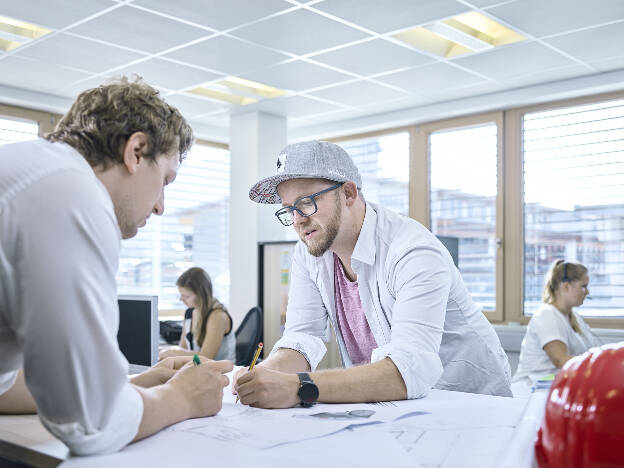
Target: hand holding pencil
{"points": [[253, 361]]}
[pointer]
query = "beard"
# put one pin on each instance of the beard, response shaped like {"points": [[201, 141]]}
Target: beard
{"points": [[317, 247]]}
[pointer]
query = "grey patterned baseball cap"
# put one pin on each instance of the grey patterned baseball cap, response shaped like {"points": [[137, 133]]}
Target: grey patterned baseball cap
{"points": [[307, 160]]}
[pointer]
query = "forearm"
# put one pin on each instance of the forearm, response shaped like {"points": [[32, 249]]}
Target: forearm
{"points": [[287, 360], [17, 400], [380, 381], [161, 408]]}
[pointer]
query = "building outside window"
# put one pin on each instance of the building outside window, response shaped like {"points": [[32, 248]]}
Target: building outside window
{"points": [[574, 201]]}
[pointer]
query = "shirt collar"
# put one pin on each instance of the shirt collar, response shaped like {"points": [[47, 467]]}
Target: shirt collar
{"points": [[364, 251]]}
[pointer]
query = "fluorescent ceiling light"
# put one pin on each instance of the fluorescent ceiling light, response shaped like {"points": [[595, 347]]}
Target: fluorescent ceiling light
{"points": [[222, 96], [251, 87], [237, 91], [14, 33], [468, 32]]}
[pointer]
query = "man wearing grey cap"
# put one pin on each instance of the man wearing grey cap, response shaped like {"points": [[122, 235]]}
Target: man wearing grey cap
{"points": [[402, 316]]}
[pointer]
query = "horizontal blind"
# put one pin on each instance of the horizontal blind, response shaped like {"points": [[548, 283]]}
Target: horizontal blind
{"points": [[463, 189], [14, 131], [574, 201], [383, 162], [194, 231]]}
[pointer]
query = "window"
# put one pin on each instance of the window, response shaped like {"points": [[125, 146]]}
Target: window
{"points": [[574, 200], [463, 202], [194, 231], [14, 131], [383, 162]]}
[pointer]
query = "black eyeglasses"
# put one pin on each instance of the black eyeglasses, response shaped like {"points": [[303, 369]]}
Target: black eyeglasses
{"points": [[565, 278], [305, 206]]}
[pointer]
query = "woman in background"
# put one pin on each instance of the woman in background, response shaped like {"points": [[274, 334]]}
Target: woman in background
{"points": [[208, 327], [556, 332]]}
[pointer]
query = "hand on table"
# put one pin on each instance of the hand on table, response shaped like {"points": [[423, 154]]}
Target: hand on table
{"points": [[173, 352], [201, 387], [266, 388], [161, 372]]}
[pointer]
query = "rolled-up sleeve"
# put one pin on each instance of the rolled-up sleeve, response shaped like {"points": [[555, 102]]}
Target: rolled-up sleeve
{"points": [[69, 247], [307, 324], [420, 282]]}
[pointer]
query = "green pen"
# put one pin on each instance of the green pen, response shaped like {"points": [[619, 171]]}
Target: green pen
{"points": [[196, 360]]}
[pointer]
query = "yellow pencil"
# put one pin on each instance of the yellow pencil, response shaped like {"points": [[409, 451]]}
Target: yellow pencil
{"points": [[253, 361]]}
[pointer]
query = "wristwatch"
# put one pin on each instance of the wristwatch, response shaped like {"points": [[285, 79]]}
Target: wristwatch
{"points": [[308, 391]]}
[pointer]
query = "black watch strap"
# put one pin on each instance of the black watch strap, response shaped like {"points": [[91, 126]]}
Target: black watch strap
{"points": [[308, 391]]}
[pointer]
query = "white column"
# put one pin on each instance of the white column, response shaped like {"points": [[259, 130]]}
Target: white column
{"points": [[256, 139]]}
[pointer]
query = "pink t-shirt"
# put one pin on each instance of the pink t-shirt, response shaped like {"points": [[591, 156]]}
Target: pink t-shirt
{"points": [[352, 322]]}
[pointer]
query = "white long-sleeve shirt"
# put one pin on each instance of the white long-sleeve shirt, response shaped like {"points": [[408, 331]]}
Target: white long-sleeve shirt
{"points": [[59, 250], [416, 304]]}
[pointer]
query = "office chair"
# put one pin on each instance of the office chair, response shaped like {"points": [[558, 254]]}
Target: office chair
{"points": [[248, 336]]}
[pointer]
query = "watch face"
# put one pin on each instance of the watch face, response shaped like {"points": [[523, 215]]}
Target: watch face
{"points": [[308, 392]]}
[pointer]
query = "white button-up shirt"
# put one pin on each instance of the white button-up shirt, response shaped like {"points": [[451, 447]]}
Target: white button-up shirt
{"points": [[416, 304], [59, 249]]}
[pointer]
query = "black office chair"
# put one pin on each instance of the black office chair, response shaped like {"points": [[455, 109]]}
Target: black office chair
{"points": [[248, 336]]}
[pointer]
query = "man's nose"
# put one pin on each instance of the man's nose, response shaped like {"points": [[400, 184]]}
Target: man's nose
{"points": [[159, 207], [298, 218]]}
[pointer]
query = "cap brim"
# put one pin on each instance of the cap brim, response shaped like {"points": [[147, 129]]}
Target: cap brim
{"points": [[265, 191]]}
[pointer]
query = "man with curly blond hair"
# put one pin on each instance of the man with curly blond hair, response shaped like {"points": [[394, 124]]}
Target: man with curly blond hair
{"points": [[65, 203]]}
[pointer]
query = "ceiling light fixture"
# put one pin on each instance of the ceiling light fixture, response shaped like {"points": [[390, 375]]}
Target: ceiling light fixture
{"points": [[462, 34], [237, 91], [14, 33]]}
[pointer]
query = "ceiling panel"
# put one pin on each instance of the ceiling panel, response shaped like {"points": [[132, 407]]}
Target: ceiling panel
{"points": [[73, 88], [372, 57], [544, 18], [38, 76], [191, 106], [514, 60], [55, 14], [487, 3], [300, 32], [390, 15], [333, 117], [217, 14], [592, 44], [139, 30], [397, 104], [218, 119], [610, 64], [546, 76], [170, 75], [227, 55], [297, 76], [359, 93], [71, 51], [443, 95], [430, 78], [294, 106]]}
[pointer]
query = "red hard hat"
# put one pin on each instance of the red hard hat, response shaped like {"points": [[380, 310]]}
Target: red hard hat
{"points": [[583, 425]]}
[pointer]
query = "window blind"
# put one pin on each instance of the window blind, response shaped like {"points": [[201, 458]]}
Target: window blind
{"points": [[194, 231], [574, 201], [14, 131]]}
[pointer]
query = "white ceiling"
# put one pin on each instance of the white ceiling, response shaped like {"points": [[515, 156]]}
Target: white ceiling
{"points": [[336, 58]]}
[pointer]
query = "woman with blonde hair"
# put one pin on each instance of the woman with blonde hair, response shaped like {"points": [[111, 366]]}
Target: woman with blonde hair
{"points": [[556, 332], [208, 327]]}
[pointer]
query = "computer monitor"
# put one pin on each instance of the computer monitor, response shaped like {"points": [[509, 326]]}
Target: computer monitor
{"points": [[452, 245], [138, 329]]}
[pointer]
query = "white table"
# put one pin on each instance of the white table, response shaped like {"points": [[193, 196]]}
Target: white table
{"points": [[460, 430]]}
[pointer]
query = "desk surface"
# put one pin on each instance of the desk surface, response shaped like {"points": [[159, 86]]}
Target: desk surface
{"points": [[460, 430]]}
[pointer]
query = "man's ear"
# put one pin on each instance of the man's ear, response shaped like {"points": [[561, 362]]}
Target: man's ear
{"points": [[350, 191], [133, 151]]}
